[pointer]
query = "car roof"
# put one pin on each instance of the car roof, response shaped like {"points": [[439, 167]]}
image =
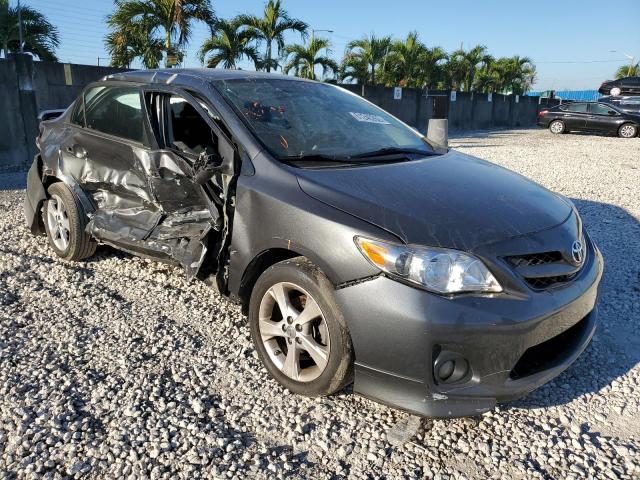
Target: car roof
{"points": [[193, 76]]}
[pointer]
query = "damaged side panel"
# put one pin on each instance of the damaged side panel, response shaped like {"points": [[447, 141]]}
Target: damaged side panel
{"points": [[144, 201]]}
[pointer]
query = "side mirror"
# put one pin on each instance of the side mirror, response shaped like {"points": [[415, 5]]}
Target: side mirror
{"points": [[206, 167], [612, 112]]}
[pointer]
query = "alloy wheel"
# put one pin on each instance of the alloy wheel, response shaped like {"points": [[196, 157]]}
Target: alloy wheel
{"points": [[294, 332], [627, 131], [557, 127], [58, 222]]}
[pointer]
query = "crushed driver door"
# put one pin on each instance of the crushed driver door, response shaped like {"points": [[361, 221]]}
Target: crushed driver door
{"points": [[190, 172]]}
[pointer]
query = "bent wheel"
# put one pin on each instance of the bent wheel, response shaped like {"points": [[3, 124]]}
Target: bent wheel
{"points": [[65, 223], [298, 329]]}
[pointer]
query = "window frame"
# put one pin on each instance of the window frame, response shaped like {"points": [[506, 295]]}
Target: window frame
{"points": [[569, 105], [109, 136], [161, 133]]}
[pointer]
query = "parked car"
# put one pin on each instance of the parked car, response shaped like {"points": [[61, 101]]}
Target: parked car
{"points": [[589, 117], [622, 86], [438, 283], [627, 104]]}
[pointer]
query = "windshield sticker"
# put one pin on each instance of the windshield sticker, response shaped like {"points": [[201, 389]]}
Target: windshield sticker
{"points": [[367, 117]]}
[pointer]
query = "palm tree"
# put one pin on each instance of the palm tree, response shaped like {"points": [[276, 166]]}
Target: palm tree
{"points": [[134, 41], [230, 42], [506, 75], [40, 37], [304, 58], [354, 68], [134, 20], [432, 68], [464, 65], [371, 51], [271, 27], [405, 61], [628, 71]]}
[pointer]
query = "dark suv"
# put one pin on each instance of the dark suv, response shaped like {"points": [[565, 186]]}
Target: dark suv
{"points": [[439, 283]]}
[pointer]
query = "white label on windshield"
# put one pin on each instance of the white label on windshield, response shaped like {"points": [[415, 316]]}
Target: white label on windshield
{"points": [[366, 117]]}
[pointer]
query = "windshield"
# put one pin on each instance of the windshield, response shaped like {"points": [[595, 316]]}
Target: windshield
{"points": [[296, 119]]}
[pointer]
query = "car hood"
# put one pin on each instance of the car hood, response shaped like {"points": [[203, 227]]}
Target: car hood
{"points": [[452, 200]]}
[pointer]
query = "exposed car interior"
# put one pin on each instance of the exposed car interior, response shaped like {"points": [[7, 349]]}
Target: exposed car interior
{"points": [[189, 132]]}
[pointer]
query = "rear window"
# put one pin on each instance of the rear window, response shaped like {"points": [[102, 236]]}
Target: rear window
{"points": [[575, 107]]}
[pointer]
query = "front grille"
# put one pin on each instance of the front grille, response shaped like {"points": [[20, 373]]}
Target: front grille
{"points": [[522, 263], [533, 259], [541, 283], [551, 353]]}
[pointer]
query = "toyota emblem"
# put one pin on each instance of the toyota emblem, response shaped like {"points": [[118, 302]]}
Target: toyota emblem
{"points": [[577, 252]]}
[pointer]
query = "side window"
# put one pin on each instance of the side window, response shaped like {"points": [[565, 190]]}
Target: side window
{"points": [[85, 98], [577, 108], [117, 111], [600, 109], [188, 131]]}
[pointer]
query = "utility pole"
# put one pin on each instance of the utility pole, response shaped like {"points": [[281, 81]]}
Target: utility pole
{"points": [[631, 58], [20, 28], [313, 37]]}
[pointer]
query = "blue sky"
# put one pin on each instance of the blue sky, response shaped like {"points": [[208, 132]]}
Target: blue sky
{"points": [[552, 33]]}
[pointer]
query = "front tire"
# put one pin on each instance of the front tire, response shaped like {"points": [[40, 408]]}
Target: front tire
{"points": [[627, 131], [65, 223], [557, 127], [298, 329]]}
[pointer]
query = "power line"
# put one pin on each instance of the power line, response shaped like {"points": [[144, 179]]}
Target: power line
{"points": [[581, 61]]}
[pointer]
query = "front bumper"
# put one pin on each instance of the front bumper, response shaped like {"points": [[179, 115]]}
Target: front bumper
{"points": [[397, 330]]}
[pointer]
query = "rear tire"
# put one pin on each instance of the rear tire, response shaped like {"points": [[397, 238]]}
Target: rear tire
{"points": [[65, 222], [557, 127], [308, 349], [627, 130]]}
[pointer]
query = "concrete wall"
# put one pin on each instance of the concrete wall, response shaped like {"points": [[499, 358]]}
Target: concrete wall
{"points": [[469, 111], [27, 88], [13, 149]]}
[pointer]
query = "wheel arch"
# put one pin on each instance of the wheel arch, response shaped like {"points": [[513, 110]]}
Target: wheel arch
{"points": [[256, 267]]}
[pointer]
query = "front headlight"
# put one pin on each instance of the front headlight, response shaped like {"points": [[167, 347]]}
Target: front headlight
{"points": [[437, 269]]}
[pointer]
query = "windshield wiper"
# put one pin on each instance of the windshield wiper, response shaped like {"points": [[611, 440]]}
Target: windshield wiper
{"points": [[393, 151], [318, 160]]}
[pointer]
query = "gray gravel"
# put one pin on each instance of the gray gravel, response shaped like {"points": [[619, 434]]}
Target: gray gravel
{"points": [[119, 367]]}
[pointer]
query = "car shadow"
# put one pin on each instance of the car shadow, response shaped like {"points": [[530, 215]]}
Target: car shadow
{"points": [[615, 348]]}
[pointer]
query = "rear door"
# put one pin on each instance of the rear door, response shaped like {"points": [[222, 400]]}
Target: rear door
{"points": [[102, 155], [574, 116], [602, 118]]}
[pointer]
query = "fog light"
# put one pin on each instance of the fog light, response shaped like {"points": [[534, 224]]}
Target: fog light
{"points": [[446, 369], [450, 367]]}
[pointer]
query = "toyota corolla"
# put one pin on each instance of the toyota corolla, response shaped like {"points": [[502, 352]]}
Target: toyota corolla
{"points": [[361, 252]]}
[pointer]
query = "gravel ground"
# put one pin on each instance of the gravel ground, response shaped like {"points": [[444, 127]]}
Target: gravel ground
{"points": [[119, 367]]}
